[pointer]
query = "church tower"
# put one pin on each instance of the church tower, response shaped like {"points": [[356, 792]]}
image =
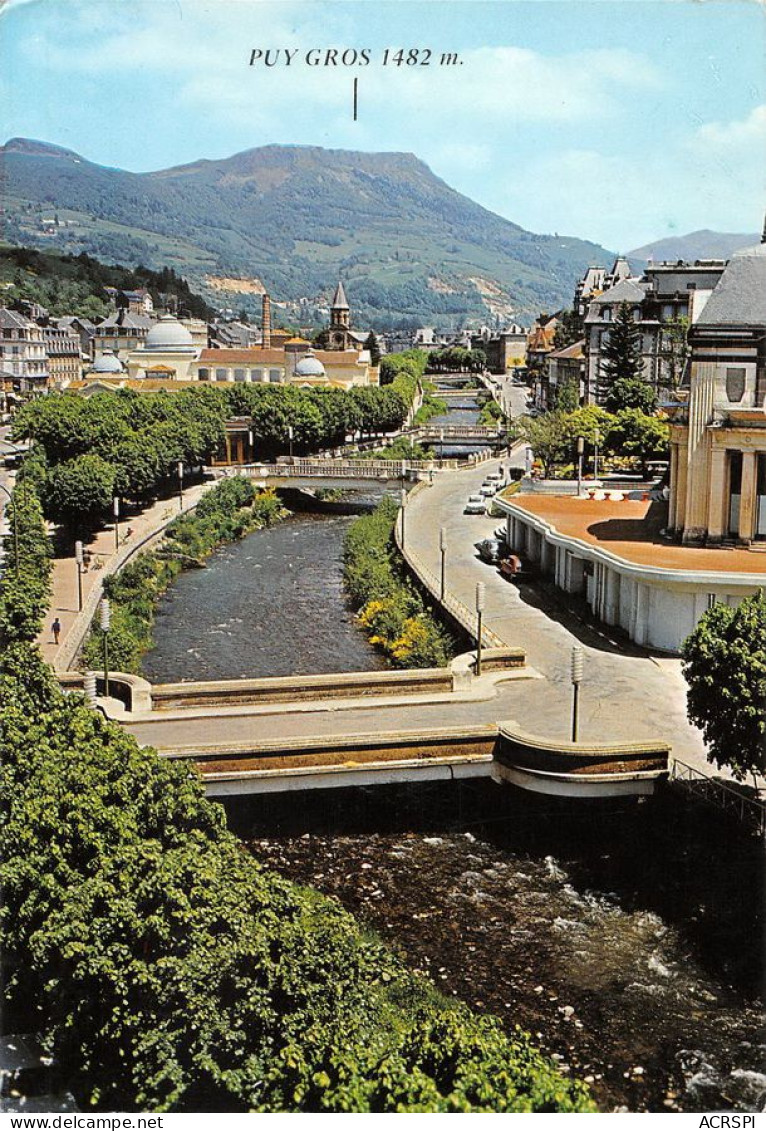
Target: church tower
{"points": [[339, 337]]}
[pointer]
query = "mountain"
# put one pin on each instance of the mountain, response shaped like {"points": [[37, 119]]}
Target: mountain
{"points": [[696, 245], [294, 219]]}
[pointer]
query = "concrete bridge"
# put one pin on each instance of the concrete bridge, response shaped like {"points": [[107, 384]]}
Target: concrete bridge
{"points": [[350, 473], [459, 433]]}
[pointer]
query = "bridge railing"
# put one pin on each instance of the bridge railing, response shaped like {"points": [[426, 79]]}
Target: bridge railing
{"points": [[351, 469], [747, 810]]}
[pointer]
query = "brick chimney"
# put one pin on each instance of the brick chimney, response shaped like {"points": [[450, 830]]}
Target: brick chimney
{"points": [[266, 323]]}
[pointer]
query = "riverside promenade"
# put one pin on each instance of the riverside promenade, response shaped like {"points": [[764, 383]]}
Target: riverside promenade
{"points": [[106, 558]]}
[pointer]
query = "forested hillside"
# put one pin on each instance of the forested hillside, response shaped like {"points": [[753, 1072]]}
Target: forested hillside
{"points": [[295, 219], [66, 284]]}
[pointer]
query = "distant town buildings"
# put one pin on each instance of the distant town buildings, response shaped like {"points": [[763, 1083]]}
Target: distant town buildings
{"points": [[23, 358]]}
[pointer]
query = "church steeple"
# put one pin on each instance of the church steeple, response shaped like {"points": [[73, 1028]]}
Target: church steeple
{"points": [[340, 321]]}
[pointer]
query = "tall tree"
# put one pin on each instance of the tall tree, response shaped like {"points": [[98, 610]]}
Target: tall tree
{"points": [[371, 344], [725, 668], [621, 358], [674, 350]]}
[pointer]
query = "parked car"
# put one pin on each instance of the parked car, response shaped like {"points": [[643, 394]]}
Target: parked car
{"points": [[488, 489], [512, 567], [476, 505], [497, 478], [490, 550]]}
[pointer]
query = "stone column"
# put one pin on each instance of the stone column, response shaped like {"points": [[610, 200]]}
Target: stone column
{"points": [[640, 613], [612, 597], [718, 496], [747, 501], [673, 486]]}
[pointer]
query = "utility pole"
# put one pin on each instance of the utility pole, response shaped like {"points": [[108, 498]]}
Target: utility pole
{"points": [[116, 513], [443, 551], [480, 591], [577, 672], [105, 621], [79, 557]]}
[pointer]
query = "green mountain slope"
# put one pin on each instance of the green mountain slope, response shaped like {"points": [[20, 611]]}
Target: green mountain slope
{"points": [[296, 219]]}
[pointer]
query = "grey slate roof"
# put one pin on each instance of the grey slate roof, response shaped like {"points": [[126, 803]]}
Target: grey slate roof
{"points": [[11, 320], [131, 321], [739, 298], [340, 298], [628, 290]]}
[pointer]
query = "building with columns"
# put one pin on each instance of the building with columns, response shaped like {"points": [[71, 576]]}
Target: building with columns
{"points": [[718, 425]]}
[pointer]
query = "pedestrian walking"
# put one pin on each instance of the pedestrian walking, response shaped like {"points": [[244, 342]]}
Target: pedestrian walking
{"points": [[87, 557], [56, 630]]}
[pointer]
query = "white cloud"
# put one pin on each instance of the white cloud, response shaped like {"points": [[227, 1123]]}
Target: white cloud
{"points": [[734, 138]]}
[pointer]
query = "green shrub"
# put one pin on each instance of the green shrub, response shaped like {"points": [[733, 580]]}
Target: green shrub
{"points": [[391, 610]]}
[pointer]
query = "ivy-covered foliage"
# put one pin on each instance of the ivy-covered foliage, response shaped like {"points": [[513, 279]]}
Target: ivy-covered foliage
{"points": [[168, 971], [24, 594], [231, 510], [390, 608], [725, 668]]}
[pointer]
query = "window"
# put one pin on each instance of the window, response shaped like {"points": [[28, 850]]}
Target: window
{"points": [[204, 374], [239, 375], [257, 374], [735, 384], [606, 314], [221, 374], [275, 376], [711, 600]]}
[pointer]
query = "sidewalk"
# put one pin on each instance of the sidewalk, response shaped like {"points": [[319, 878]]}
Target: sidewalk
{"points": [[106, 558]]}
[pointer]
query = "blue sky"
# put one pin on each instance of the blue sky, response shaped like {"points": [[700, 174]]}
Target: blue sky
{"points": [[619, 121]]}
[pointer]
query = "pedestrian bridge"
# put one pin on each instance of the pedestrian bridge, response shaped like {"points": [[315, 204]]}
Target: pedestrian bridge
{"points": [[351, 473], [501, 752]]}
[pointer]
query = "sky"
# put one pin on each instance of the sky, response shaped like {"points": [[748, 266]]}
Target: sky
{"points": [[619, 121]]}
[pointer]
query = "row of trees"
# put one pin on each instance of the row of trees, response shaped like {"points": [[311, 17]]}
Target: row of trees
{"points": [[457, 359], [125, 444]]}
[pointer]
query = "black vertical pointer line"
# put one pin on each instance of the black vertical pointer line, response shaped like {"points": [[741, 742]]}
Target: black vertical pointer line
{"points": [[356, 92]]}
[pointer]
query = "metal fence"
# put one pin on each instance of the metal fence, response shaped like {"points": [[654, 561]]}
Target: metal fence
{"points": [[750, 812]]}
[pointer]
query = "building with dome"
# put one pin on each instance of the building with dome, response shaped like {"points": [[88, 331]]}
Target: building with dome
{"points": [[718, 430], [108, 364], [166, 354]]}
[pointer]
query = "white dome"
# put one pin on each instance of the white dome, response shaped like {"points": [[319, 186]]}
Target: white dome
{"points": [[309, 366], [107, 363], [168, 334]]}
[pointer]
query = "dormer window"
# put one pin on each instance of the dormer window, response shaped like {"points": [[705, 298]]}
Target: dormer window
{"points": [[607, 314]]}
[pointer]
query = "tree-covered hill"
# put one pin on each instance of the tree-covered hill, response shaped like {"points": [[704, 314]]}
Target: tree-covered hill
{"points": [[296, 219], [67, 284]]}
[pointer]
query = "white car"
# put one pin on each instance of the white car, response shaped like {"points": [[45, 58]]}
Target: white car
{"points": [[476, 505], [497, 478], [488, 490]]}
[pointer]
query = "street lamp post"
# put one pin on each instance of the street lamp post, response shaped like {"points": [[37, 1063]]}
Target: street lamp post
{"points": [[480, 591], [443, 551], [251, 442], [180, 469], [577, 671], [15, 530], [404, 507], [596, 441], [441, 445], [580, 451], [106, 621], [116, 513], [290, 437], [79, 557]]}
